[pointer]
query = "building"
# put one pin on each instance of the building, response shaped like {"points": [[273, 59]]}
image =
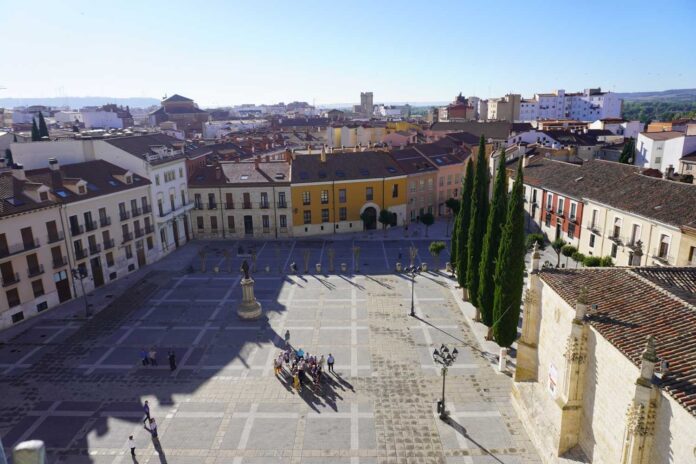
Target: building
{"points": [[421, 195], [663, 150], [107, 117], [93, 218], [493, 130], [619, 126], [366, 103], [504, 109], [678, 125], [584, 144], [247, 199], [351, 135], [345, 192], [181, 110], [588, 105], [400, 139], [600, 372], [450, 158]]}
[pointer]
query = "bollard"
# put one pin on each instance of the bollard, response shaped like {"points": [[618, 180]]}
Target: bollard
{"points": [[268, 269], [29, 452], [344, 267], [502, 360], [216, 269], [424, 267], [399, 268], [318, 268]]}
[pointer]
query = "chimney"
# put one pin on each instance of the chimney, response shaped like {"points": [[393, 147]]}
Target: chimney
{"points": [[322, 155], [218, 172], [256, 163], [18, 172], [53, 164]]}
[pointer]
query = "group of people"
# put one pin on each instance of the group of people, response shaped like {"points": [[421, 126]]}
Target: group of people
{"points": [[149, 358], [301, 365]]}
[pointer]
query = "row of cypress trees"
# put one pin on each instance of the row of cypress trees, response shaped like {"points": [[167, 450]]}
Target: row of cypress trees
{"points": [[487, 250], [38, 131]]}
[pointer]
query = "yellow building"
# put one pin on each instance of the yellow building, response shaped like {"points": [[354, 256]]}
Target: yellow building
{"points": [[345, 192]]}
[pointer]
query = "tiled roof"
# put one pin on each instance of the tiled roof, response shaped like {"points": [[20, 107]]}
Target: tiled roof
{"points": [[344, 166], [442, 154], [12, 198], [411, 161], [689, 156], [631, 307], [177, 98], [666, 135], [245, 173], [142, 145], [302, 122], [491, 130]]}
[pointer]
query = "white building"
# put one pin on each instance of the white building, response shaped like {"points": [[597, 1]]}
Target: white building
{"points": [[619, 126], [588, 105], [99, 119], [219, 129], [68, 117], [662, 150]]}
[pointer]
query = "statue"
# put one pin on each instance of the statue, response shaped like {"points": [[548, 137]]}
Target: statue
{"points": [[245, 269], [249, 308]]}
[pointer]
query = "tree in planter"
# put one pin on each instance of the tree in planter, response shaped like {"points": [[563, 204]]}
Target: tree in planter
{"points": [[535, 238], [578, 258], [592, 261], [462, 251], [509, 268], [626, 156], [477, 228], [557, 246], [435, 249], [428, 220], [606, 261], [453, 205], [491, 242], [568, 251], [385, 218], [43, 128], [35, 136]]}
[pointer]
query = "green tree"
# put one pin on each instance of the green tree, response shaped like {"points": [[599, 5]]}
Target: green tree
{"points": [[435, 249], [557, 246], [456, 229], [578, 258], [385, 218], [43, 128], [35, 136], [453, 205], [491, 241], [428, 220], [592, 261], [606, 261], [477, 229], [627, 151], [509, 268], [535, 238], [568, 251], [464, 221]]}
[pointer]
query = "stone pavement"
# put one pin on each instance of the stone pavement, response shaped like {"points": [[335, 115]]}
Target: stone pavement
{"points": [[79, 385]]}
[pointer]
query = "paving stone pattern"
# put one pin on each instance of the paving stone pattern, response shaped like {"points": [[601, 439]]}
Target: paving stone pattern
{"points": [[79, 386]]}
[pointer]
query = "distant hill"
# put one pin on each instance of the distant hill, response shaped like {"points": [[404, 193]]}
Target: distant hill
{"points": [[674, 95], [78, 102]]}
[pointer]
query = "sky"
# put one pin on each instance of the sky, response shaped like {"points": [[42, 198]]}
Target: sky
{"points": [[234, 52]]}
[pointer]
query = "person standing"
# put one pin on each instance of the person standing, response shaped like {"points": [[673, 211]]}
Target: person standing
{"points": [[287, 337], [146, 410], [172, 360], [153, 427], [330, 361], [143, 357], [131, 445], [321, 362], [153, 356]]}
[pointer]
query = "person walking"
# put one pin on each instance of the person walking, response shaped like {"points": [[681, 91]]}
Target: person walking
{"points": [[131, 445], [321, 362], [330, 361], [172, 360], [153, 428], [146, 410], [287, 338], [296, 380], [143, 357], [277, 364], [153, 356]]}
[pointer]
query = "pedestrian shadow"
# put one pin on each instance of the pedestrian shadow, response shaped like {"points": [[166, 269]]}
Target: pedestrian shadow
{"points": [[354, 284], [467, 344], [379, 282], [459, 428], [160, 452]]}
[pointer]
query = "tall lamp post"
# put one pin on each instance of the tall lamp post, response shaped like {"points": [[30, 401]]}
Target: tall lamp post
{"points": [[445, 358], [81, 274], [414, 270]]}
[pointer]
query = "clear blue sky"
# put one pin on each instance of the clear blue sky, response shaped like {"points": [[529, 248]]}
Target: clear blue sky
{"points": [[232, 52]]}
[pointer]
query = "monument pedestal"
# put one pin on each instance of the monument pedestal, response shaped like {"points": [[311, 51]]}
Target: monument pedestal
{"points": [[249, 308]]}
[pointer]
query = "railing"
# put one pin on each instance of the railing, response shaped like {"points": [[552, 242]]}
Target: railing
{"points": [[594, 228], [108, 244], [91, 225], [60, 262], [691, 263], [147, 209], [282, 205], [212, 205], [246, 205], [127, 237], [125, 215], [198, 206], [229, 205], [139, 232], [10, 280], [572, 218], [632, 244], [94, 249], [77, 230], [34, 271], [616, 238], [19, 248], [136, 212], [149, 229], [105, 221], [549, 208], [664, 258], [81, 253], [264, 205], [57, 237]]}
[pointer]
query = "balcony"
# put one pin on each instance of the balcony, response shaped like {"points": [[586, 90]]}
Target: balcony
{"points": [[594, 228], [135, 212], [10, 280], [127, 237], [199, 206], [60, 262], [125, 215], [147, 209], [212, 205], [34, 271], [77, 230], [663, 257], [616, 238], [80, 253], [246, 205], [94, 249], [149, 229], [91, 225], [282, 205], [166, 216], [229, 205], [634, 244], [19, 248], [57, 237], [108, 244], [139, 233], [105, 221]]}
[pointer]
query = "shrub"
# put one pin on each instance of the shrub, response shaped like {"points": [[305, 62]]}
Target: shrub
{"points": [[606, 261], [538, 238], [592, 261]]}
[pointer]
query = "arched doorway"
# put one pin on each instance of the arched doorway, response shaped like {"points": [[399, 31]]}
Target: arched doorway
{"points": [[369, 218]]}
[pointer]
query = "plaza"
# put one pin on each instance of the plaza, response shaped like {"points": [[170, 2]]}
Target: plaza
{"points": [[79, 385]]}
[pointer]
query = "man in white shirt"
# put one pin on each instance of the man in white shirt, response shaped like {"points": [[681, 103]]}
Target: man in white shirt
{"points": [[131, 445]]}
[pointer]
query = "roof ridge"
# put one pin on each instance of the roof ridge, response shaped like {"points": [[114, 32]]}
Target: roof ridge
{"points": [[660, 288]]}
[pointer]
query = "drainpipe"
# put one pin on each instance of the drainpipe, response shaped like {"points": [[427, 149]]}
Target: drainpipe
{"points": [[333, 204], [68, 250], [222, 218], [275, 213]]}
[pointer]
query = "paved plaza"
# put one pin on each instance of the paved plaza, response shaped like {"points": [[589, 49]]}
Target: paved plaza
{"points": [[79, 385]]}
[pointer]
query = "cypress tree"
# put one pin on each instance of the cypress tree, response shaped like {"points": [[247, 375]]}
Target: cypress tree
{"points": [[35, 136], [454, 240], [509, 269], [626, 156], [491, 242], [464, 216], [477, 227], [43, 128]]}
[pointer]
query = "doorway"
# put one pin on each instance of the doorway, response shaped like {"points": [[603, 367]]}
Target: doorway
{"points": [[175, 230], [558, 230], [62, 285], [186, 228], [97, 274], [248, 225], [140, 252], [369, 217]]}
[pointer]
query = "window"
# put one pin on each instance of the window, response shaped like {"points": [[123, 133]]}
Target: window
{"points": [[421, 184], [150, 243], [412, 187], [441, 181], [573, 210], [343, 213], [43, 196], [368, 194], [593, 224], [198, 201], [129, 252], [16, 317], [395, 191], [571, 230], [560, 205], [199, 222], [157, 182], [183, 198], [264, 200], [109, 259], [592, 239], [449, 179], [663, 252], [283, 221], [181, 172], [281, 200], [325, 215], [614, 248], [342, 196], [306, 198], [549, 202], [692, 255], [266, 222], [635, 234], [12, 297], [430, 183], [230, 223], [617, 228], [37, 288], [548, 220], [307, 216], [324, 197], [213, 222], [211, 201]]}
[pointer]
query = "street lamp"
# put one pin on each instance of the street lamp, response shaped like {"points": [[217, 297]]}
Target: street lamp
{"points": [[414, 270], [445, 358], [81, 274]]}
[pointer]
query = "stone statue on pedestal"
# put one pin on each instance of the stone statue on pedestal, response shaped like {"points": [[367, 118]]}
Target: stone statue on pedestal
{"points": [[249, 308]]}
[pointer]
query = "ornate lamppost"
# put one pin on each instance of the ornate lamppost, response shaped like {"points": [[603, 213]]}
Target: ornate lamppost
{"points": [[413, 270], [445, 358]]}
